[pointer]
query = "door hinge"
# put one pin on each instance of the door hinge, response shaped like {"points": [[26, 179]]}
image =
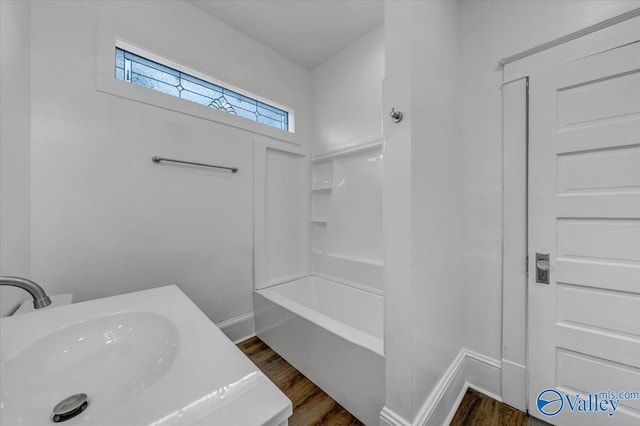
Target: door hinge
{"points": [[526, 265]]}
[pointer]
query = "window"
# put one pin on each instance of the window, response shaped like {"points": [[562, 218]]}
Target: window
{"points": [[135, 69]]}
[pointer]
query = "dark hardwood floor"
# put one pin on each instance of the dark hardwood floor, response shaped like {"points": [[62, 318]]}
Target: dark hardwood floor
{"points": [[311, 406], [479, 410]]}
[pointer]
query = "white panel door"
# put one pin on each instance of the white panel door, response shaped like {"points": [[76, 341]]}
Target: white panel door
{"points": [[584, 211]]}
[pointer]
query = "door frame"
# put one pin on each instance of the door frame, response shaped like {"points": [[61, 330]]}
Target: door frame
{"points": [[598, 38]]}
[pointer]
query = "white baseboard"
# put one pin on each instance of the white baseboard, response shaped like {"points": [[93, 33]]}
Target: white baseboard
{"points": [[454, 407], [438, 405], [239, 328], [484, 374], [469, 369], [388, 417]]}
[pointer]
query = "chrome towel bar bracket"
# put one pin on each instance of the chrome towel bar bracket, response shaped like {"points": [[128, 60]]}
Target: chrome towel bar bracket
{"points": [[158, 160]]}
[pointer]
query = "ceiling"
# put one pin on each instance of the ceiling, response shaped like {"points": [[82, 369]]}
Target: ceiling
{"points": [[307, 32]]}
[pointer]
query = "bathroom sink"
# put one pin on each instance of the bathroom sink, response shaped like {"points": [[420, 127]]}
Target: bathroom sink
{"points": [[148, 358], [111, 358]]}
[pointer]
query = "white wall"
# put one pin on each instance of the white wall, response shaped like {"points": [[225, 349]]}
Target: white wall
{"points": [[397, 218], [437, 174], [423, 186], [492, 30], [347, 95], [105, 219], [14, 149]]}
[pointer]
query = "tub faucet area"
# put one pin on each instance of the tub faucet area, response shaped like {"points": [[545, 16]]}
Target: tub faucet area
{"points": [[40, 298]]}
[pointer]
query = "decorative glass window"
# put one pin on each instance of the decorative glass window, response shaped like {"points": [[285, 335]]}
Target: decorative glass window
{"points": [[153, 75]]}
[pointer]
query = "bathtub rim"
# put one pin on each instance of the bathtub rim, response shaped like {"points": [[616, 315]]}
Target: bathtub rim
{"points": [[340, 329]]}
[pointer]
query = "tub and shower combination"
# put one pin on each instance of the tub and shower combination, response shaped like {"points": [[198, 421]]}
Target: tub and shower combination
{"points": [[327, 320], [332, 333]]}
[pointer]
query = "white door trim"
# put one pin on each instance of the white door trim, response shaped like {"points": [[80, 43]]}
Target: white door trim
{"points": [[514, 164], [590, 44], [569, 37], [514, 243]]}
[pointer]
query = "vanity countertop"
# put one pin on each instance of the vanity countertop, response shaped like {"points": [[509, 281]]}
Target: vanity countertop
{"points": [[144, 358]]}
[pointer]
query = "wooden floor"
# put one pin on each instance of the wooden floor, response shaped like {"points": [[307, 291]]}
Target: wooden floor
{"points": [[479, 410], [311, 406]]}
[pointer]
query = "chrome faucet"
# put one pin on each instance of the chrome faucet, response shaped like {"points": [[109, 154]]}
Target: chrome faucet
{"points": [[40, 298]]}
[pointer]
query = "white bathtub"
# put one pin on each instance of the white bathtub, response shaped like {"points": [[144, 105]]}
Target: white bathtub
{"points": [[332, 333]]}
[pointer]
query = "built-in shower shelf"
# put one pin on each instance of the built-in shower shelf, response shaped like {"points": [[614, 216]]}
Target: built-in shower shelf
{"points": [[319, 220], [351, 258], [322, 188], [359, 260]]}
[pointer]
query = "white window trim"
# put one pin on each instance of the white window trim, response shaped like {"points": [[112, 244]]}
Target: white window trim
{"points": [[107, 83]]}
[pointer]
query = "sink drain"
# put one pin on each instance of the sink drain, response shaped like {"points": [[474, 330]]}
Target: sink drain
{"points": [[70, 407]]}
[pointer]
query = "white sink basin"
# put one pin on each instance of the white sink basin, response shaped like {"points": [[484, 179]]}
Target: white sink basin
{"points": [[148, 358], [84, 358]]}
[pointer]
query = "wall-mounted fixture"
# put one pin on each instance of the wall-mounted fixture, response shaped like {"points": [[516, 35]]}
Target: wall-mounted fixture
{"points": [[157, 160], [396, 116]]}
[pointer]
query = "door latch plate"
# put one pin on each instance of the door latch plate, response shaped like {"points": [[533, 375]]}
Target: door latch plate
{"points": [[542, 268]]}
